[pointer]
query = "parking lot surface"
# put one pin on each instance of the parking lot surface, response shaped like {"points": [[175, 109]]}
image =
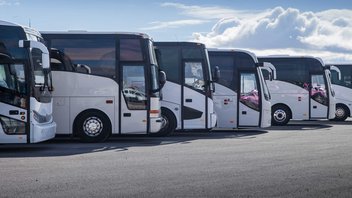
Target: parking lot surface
{"points": [[303, 159]]}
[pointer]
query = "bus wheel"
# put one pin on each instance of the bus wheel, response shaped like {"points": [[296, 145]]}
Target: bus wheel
{"points": [[280, 115], [92, 126], [341, 113], [169, 125]]}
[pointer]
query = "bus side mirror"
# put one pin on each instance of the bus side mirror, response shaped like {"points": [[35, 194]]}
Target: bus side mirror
{"points": [[82, 68], [260, 64], [216, 74], [162, 78], [267, 74], [13, 70], [41, 47]]}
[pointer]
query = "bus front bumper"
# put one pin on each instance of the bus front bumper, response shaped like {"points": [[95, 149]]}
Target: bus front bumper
{"points": [[43, 132], [213, 119]]}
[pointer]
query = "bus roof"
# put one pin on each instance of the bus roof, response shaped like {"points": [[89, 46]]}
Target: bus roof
{"points": [[178, 43], [25, 28], [288, 56], [5, 23], [339, 64], [254, 57], [73, 32]]}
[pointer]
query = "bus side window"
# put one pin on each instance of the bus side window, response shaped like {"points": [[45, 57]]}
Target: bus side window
{"points": [[3, 82]]}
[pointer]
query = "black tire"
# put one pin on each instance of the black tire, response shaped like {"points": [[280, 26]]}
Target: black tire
{"points": [[170, 123], [280, 115], [341, 113], [92, 126]]}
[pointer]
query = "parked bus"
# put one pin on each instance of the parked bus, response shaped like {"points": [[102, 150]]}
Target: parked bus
{"points": [[108, 83], [187, 96], [301, 91], [25, 86], [241, 95], [341, 79]]}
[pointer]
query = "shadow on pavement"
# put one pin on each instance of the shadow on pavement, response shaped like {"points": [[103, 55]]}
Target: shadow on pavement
{"points": [[65, 146], [303, 125], [346, 122]]}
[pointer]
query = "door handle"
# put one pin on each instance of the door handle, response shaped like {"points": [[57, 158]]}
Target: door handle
{"points": [[314, 107], [126, 114], [188, 100], [14, 112], [244, 112]]}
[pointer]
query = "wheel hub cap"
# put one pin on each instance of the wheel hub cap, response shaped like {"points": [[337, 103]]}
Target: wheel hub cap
{"points": [[280, 115], [92, 126], [340, 112]]}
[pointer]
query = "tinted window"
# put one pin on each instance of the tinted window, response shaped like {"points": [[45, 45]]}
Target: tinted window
{"points": [[346, 76], [134, 87], [12, 84], [130, 50], [194, 76], [243, 60], [96, 54], [226, 66], [192, 53], [314, 65], [60, 62], [168, 60], [290, 70], [249, 91], [318, 89], [9, 37]]}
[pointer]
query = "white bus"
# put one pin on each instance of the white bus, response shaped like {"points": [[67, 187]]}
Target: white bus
{"points": [[107, 83], [241, 95], [341, 79], [301, 91], [25, 86], [187, 102]]}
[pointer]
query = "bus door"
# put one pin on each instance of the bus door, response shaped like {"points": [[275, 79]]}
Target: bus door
{"points": [[248, 99], [319, 99], [134, 99], [194, 100]]}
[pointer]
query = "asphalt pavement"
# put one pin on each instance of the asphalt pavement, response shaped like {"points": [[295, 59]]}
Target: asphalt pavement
{"points": [[303, 159]]}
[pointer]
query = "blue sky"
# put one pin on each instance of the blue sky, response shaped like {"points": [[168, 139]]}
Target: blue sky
{"points": [[319, 28]]}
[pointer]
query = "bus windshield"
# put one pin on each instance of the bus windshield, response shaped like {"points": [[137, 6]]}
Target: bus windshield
{"points": [[155, 69], [265, 86]]}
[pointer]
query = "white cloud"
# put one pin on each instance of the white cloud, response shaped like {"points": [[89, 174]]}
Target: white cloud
{"points": [[9, 2], [210, 12], [173, 24], [326, 34]]}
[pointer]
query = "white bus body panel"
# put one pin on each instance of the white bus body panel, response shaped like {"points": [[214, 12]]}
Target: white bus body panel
{"points": [[172, 100], [197, 103], [318, 110], [155, 120], [136, 123], [266, 114], [247, 116], [41, 131], [332, 99], [332, 107], [212, 114], [75, 92], [225, 104], [343, 95], [296, 98]]}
